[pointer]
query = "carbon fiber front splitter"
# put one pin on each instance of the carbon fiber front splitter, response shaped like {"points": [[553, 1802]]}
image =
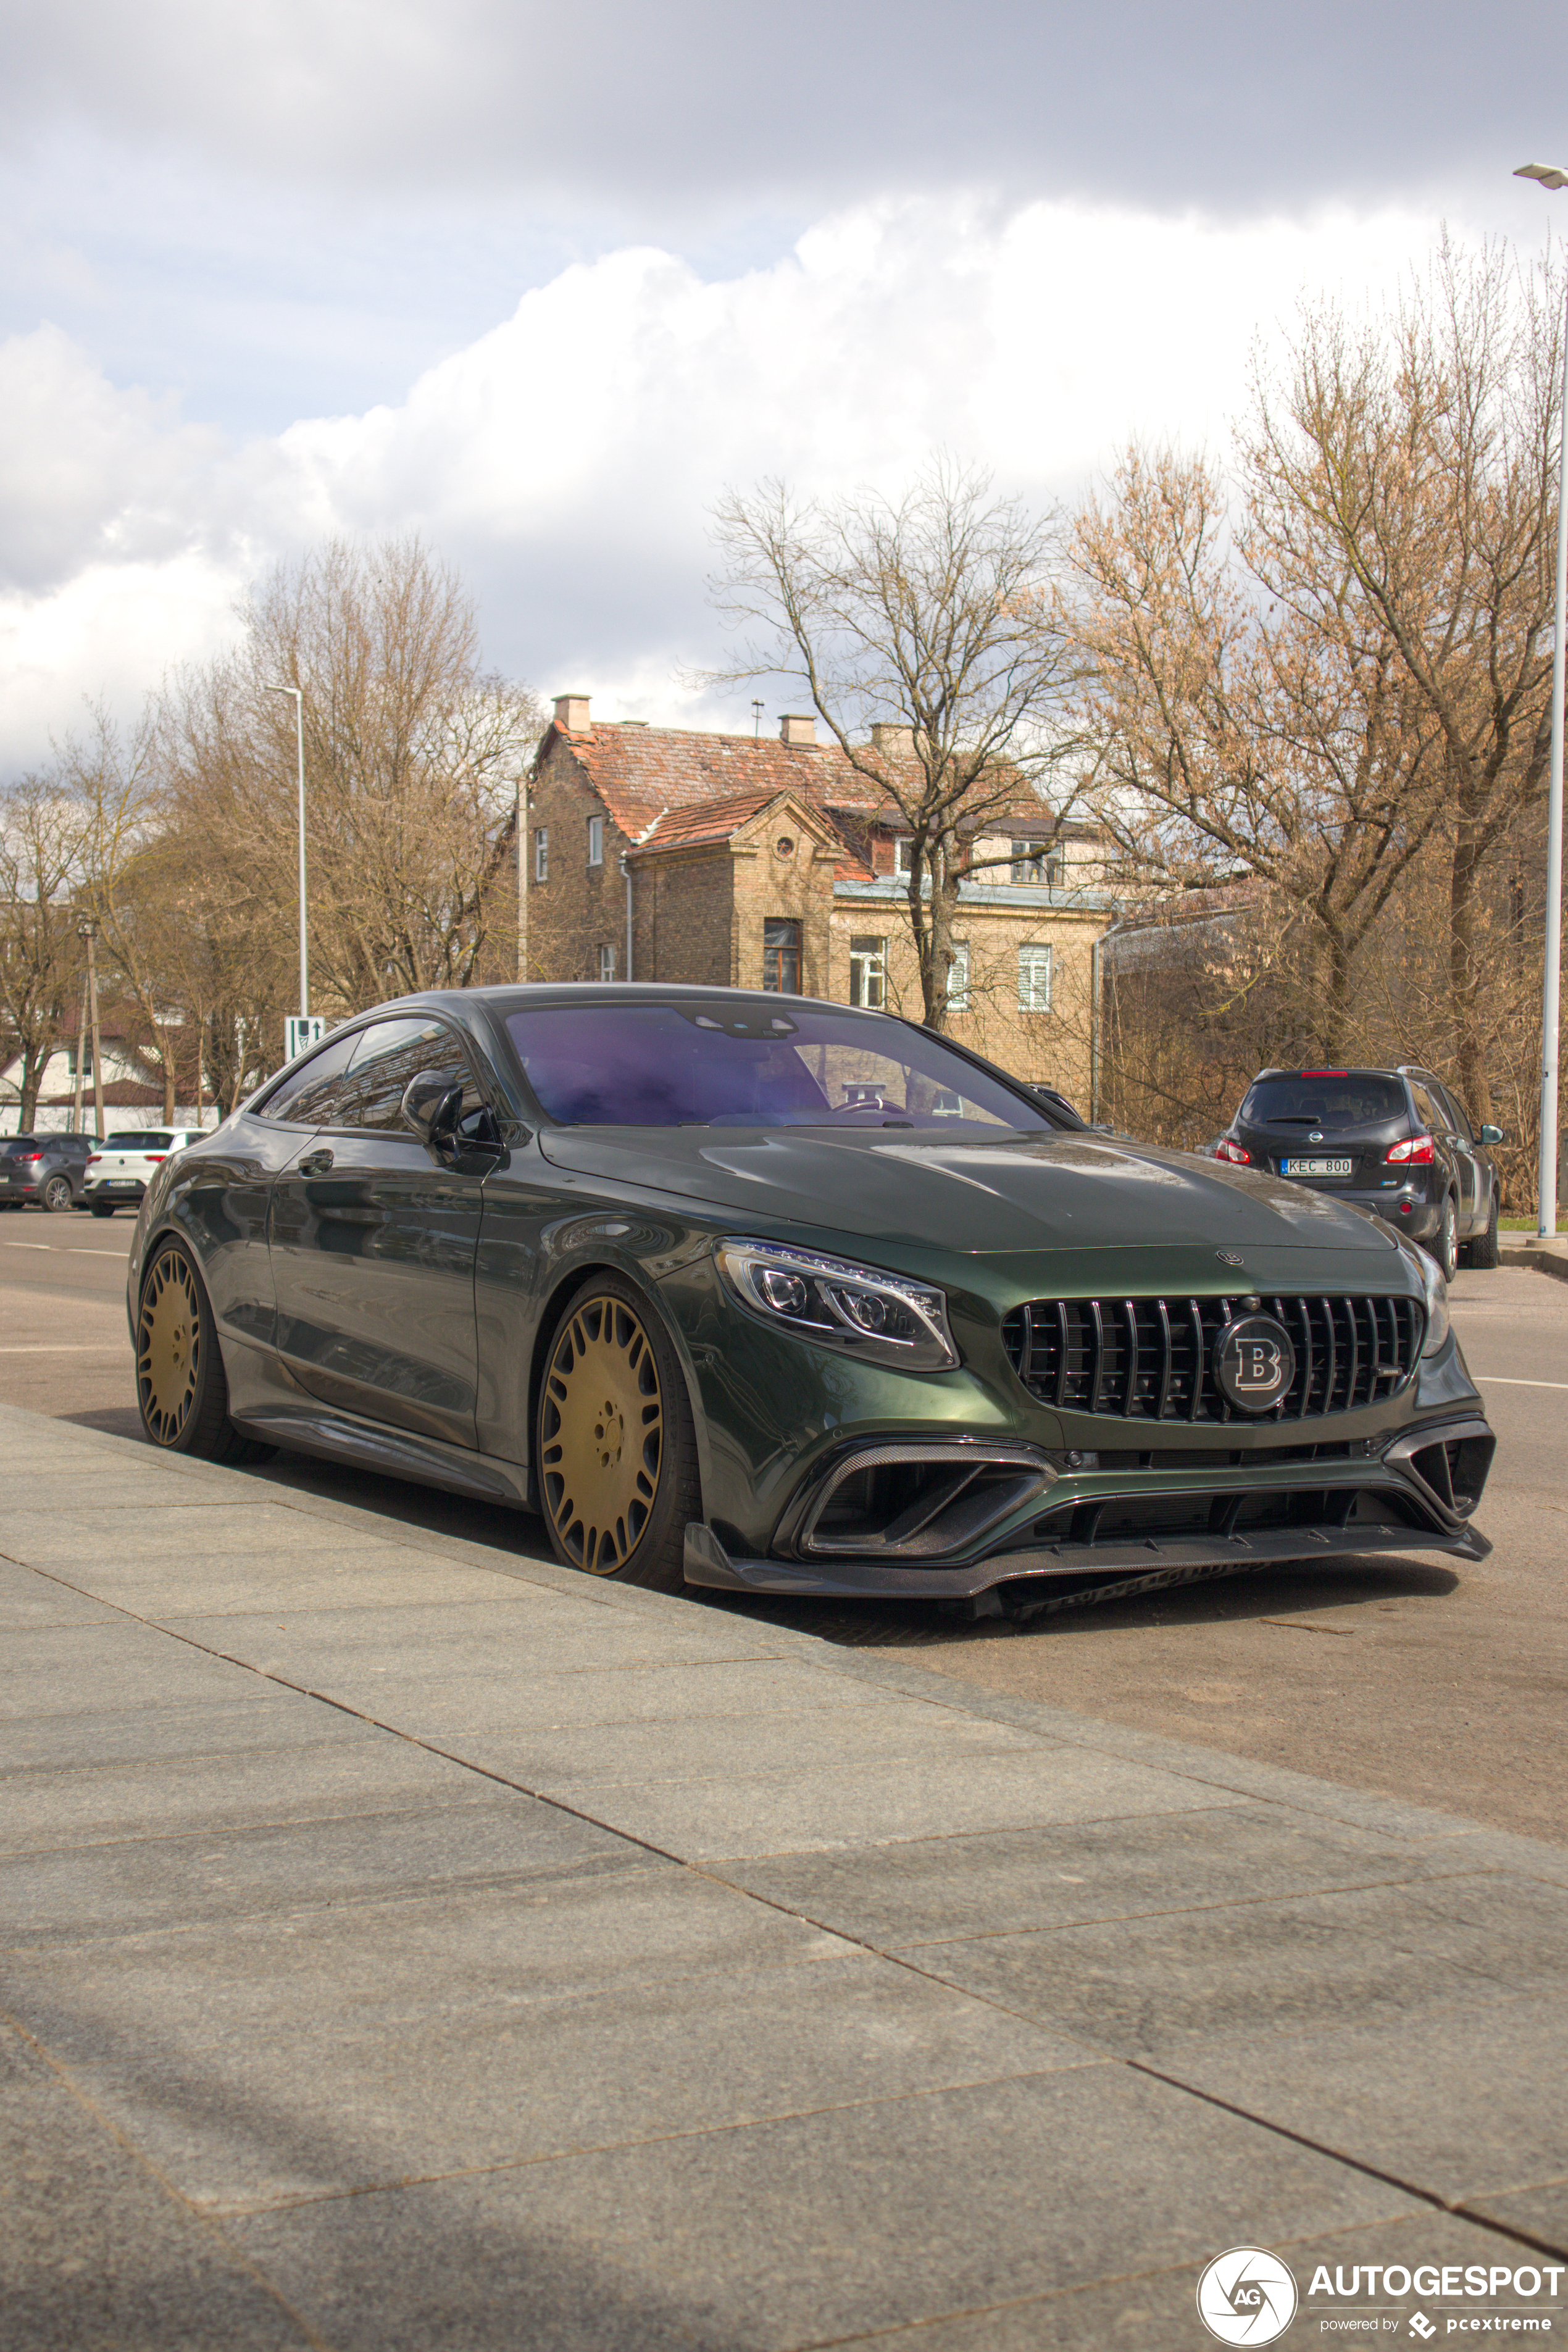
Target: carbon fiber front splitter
{"points": [[1155, 1561]]}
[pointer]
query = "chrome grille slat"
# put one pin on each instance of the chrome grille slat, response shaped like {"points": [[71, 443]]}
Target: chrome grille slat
{"points": [[1351, 1351]]}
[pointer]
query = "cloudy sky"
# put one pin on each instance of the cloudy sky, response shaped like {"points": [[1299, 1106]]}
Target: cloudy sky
{"points": [[542, 282]]}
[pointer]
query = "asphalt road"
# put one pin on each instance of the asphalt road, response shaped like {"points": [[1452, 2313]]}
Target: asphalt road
{"points": [[1441, 1684]]}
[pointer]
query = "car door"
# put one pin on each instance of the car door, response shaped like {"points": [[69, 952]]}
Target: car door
{"points": [[374, 1237], [1475, 1204]]}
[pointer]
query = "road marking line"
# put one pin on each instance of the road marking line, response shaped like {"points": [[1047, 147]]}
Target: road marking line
{"points": [[67, 1347], [78, 1249], [1501, 1381]]}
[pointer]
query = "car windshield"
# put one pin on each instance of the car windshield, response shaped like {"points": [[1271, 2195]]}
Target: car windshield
{"points": [[18, 1143], [1346, 1099], [134, 1139], [739, 1064]]}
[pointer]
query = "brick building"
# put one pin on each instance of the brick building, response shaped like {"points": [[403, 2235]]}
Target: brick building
{"points": [[660, 854]]}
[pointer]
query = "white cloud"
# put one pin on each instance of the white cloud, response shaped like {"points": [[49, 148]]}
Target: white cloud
{"points": [[567, 459]]}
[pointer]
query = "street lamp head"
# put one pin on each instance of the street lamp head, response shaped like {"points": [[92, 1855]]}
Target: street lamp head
{"points": [[1548, 175]]}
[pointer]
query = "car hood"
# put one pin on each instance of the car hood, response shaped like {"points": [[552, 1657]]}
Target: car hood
{"points": [[1068, 1192]]}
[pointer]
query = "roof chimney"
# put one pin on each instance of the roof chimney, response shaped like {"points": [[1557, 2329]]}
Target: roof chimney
{"points": [[799, 733], [894, 742], [572, 713]]}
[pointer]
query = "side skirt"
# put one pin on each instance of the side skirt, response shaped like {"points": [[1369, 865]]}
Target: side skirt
{"points": [[365, 1445]]}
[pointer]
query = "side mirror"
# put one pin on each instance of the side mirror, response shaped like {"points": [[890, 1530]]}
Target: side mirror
{"points": [[431, 1106], [1493, 1135]]}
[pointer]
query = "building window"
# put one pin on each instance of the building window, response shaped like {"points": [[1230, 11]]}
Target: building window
{"points": [[541, 853], [903, 852], [607, 963], [868, 974], [781, 956], [596, 841], [1036, 862], [958, 977], [1035, 980]]}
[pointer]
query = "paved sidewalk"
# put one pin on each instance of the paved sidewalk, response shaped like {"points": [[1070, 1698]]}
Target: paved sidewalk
{"points": [[403, 1950], [1541, 1256]]}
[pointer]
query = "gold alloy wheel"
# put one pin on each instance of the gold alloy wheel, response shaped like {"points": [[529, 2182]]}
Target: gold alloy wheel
{"points": [[602, 1435], [168, 1346]]}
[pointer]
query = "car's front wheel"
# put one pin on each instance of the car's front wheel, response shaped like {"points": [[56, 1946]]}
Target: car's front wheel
{"points": [[1445, 1247], [615, 1451], [56, 1194], [181, 1387]]}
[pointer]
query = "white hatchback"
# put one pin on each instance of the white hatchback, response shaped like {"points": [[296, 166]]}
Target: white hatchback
{"points": [[121, 1170]]}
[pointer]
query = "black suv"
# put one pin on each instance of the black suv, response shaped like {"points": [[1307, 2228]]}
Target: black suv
{"points": [[1398, 1142], [48, 1169]]}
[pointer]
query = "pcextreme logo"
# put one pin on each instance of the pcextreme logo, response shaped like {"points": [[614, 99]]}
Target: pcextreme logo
{"points": [[1246, 2296]]}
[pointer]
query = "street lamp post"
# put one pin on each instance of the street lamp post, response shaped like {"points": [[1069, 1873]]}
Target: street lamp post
{"points": [[299, 745], [1549, 176]]}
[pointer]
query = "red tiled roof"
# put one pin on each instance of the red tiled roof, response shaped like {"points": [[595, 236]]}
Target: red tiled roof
{"points": [[640, 772]]}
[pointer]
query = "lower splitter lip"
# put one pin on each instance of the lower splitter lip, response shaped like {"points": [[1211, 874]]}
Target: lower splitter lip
{"points": [[708, 1564]]}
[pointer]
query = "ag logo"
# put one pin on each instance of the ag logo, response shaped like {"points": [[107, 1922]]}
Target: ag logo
{"points": [[1255, 1362], [1246, 2296]]}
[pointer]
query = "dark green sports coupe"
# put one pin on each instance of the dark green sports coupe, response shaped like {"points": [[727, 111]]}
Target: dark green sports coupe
{"points": [[765, 1293]]}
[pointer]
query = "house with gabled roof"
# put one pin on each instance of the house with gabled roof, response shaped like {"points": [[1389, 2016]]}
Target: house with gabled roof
{"points": [[659, 853]]}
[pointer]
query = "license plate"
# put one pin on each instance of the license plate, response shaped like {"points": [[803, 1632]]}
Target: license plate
{"points": [[1317, 1167]]}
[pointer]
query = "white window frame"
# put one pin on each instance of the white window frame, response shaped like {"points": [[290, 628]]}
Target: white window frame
{"points": [[869, 973], [903, 852], [958, 983], [607, 963], [596, 841], [1037, 961], [541, 853]]}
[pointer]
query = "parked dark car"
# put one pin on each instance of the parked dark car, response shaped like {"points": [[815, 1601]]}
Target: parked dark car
{"points": [[768, 1294], [1398, 1142], [47, 1170]]}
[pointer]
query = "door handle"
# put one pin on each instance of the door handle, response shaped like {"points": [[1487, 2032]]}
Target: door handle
{"points": [[316, 1163]]}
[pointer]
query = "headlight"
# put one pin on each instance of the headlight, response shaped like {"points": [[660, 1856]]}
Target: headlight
{"points": [[883, 1318], [1436, 1290]]}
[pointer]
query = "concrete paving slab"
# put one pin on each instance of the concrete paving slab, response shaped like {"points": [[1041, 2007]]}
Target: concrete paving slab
{"points": [[29, 1601], [816, 2229], [732, 1749], [354, 1771], [928, 1890], [194, 1531], [260, 1717], [95, 2254], [237, 2122], [878, 1803], [58, 1669], [1379, 1953], [1366, 2086], [85, 1891]]}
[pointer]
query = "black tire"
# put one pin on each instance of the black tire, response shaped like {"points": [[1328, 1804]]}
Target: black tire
{"points": [[98, 1212], [1483, 1252], [56, 1195], [1444, 1248], [182, 1391], [614, 1447]]}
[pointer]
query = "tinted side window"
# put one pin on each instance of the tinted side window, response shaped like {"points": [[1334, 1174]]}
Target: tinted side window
{"points": [[306, 1099], [390, 1054], [1461, 1125], [1426, 1110]]}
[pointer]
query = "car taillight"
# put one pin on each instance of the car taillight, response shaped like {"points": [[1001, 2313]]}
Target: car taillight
{"points": [[156, 1156], [1416, 1151], [93, 1158], [1225, 1149], [30, 1157]]}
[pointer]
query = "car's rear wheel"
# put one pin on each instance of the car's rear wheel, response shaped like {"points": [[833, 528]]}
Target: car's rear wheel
{"points": [[56, 1194], [1483, 1251], [98, 1210], [181, 1387], [615, 1451]]}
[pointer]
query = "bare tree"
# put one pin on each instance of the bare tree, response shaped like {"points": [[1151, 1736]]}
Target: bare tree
{"points": [[935, 619], [413, 757], [1415, 457], [40, 955], [1250, 713]]}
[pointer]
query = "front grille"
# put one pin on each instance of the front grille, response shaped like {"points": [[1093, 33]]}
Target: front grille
{"points": [[1153, 1358]]}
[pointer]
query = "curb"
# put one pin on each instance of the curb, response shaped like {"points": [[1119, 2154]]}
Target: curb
{"points": [[1540, 1257]]}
